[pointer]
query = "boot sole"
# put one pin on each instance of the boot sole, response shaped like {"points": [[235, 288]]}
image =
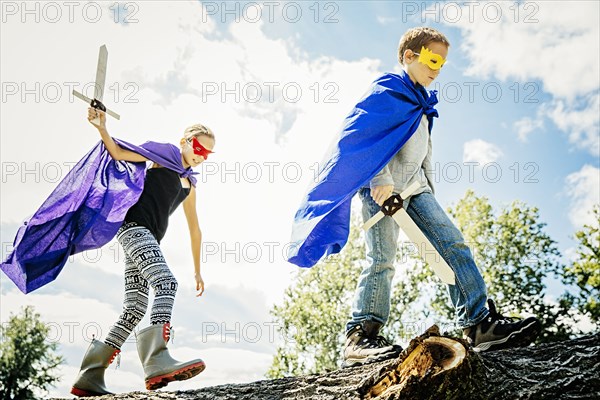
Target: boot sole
{"points": [[84, 393], [521, 338], [179, 375], [355, 362]]}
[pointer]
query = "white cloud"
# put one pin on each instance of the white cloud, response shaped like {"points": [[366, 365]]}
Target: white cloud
{"points": [[58, 311], [481, 152], [385, 20], [580, 122], [552, 42], [526, 126], [578, 322], [583, 187]]}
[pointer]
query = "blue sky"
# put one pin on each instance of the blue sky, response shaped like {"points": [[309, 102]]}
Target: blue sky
{"points": [[177, 63], [471, 106], [534, 171]]}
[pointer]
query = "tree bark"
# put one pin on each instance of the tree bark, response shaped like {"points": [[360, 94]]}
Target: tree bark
{"points": [[434, 367]]}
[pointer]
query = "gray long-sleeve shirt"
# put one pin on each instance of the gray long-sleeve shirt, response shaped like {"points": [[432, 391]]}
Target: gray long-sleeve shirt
{"points": [[412, 163]]}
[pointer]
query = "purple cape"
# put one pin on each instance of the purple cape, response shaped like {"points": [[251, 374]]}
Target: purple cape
{"points": [[376, 129], [84, 211]]}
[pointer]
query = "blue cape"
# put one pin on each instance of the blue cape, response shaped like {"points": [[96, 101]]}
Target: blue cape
{"points": [[378, 126], [84, 211]]}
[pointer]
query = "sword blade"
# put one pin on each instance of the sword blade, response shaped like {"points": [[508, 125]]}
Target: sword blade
{"points": [[410, 190], [113, 114], [414, 233], [372, 221], [82, 97], [101, 73]]}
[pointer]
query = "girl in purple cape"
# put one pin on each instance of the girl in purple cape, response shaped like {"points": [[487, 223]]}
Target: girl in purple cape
{"points": [[143, 228]]}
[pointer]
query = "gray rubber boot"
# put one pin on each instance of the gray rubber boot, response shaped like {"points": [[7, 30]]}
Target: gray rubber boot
{"points": [[90, 381], [159, 367]]}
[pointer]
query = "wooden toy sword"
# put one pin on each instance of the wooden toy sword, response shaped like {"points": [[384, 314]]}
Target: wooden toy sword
{"points": [[96, 102], [393, 207]]}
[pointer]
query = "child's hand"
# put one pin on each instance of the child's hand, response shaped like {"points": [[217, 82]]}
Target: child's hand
{"points": [[199, 284], [381, 193], [97, 118]]}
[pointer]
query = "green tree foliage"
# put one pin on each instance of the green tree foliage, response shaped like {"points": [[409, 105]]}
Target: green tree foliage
{"points": [[585, 271], [27, 360], [515, 256], [412, 300], [314, 312], [511, 250]]}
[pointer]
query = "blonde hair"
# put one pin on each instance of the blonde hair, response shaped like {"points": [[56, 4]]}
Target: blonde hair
{"points": [[198, 130], [416, 38]]}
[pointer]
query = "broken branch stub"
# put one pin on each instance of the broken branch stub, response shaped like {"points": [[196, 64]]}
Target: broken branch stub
{"points": [[430, 360]]}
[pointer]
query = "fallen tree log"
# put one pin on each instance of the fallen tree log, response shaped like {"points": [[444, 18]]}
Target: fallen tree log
{"points": [[434, 367]]}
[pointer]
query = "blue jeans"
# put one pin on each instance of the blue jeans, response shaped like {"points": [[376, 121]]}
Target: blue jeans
{"points": [[372, 297]]}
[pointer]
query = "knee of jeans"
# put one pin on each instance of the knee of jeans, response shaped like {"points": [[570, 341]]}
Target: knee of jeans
{"points": [[383, 265], [459, 248]]}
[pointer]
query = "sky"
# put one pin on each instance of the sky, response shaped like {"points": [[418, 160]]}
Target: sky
{"points": [[519, 120]]}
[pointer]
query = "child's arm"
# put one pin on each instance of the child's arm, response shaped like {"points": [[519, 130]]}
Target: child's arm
{"points": [[189, 207], [115, 151]]}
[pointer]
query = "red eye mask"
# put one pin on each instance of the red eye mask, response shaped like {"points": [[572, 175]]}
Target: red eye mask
{"points": [[199, 149]]}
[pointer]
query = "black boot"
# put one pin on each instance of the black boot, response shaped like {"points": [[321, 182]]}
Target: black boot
{"points": [[497, 332]]}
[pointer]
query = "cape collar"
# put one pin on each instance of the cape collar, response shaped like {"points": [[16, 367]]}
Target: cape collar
{"points": [[426, 100]]}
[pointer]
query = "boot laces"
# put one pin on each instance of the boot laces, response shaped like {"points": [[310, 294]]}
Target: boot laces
{"points": [[382, 342], [495, 316], [368, 343], [374, 342]]}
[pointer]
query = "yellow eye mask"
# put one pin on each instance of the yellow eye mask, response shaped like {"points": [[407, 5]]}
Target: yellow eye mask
{"points": [[432, 60]]}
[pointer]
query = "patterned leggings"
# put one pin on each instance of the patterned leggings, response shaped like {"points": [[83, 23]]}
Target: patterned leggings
{"points": [[144, 266]]}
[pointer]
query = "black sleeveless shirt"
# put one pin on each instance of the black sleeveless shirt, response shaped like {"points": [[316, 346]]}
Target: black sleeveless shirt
{"points": [[162, 194]]}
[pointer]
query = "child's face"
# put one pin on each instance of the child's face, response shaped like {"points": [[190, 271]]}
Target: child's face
{"points": [[189, 157], [419, 72]]}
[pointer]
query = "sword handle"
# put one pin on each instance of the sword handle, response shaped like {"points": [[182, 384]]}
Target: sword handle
{"points": [[391, 205], [97, 104]]}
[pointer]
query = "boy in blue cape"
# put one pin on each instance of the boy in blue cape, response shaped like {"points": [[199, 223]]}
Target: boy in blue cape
{"points": [[384, 148]]}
